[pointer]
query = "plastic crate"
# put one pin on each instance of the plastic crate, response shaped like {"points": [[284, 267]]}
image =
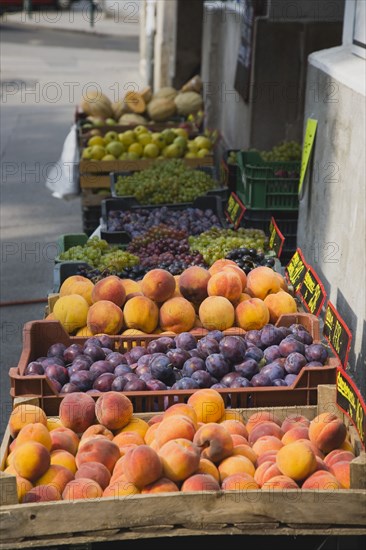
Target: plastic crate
{"points": [[205, 202], [91, 218], [231, 170], [68, 240], [259, 187], [39, 335]]}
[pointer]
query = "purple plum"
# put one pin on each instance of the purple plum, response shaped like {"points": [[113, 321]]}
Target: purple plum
{"points": [[247, 368], [314, 364], [142, 369], [56, 350], [185, 383], [253, 337], [53, 361], [94, 351], [194, 353], [253, 353], [160, 367], [57, 373], [72, 352], [290, 379], [274, 371], [192, 365], [107, 351], [144, 360], [56, 385], [160, 345], [304, 336], [270, 335], [121, 370], [291, 345], [185, 340], [155, 385], [233, 348], [178, 356], [203, 378], [83, 379], [229, 378], [104, 382], [34, 368], [206, 346], [135, 385], [217, 334], [261, 380], [240, 382], [115, 358], [100, 367], [218, 386], [279, 382], [69, 388], [271, 353], [316, 352], [92, 340], [217, 365], [294, 363], [146, 376], [118, 383], [106, 341]]}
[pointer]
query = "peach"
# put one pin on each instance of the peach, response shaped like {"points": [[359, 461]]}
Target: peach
{"points": [[268, 456], [226, 283], [181, 409], [238, 270], [77, 411], [261, 470], [295, 433], [128, 438], [239, 482], [35, 432], [251, 314], [242, 298], [177, 315], [114, 410], [218, 265], [23, 415], [214, 441], [11, 470], [239, 440], [264, 428], [13, 445], [110, 288], [123, 449], [61, 457], [320, 464], [84, 332], [97, 429], [208, 405], [96, 471], [158, 285], [245, 450], [207, 467], [67, 284], [162, 485], [137, 425], [176, 291], [200, 482], [23, 487], [104, 317], [118, 468], [42, 493], [82, 488], [141, 313], [262, 281], [262, 416], [131, 287], [267, 443], [347, 446], [31, 460], [293, 421], [235, 465], [173, 427], [71, 311], [327, 432], [280, 482], [313, 447], [59, 476], [338, 455], [342, 472], [235, 427], [282, 282], [232, 414], [271, 472], [83, 288], [296, 460], [121, 488], [150, 434], [53, 423], [142, 466], [180, 459], [321, 480], [193, 284], [98, 450], [278, 304], [216, 313], [66, 439]]}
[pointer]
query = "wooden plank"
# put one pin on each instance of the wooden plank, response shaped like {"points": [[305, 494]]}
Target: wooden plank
{"points": [[106, 166], [308, 507], [358, 472], [95, 181], [8, 490], [88, 198], [327, 401]]}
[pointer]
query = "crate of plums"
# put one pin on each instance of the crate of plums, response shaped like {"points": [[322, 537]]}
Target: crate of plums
{"points": [[280, 364]]}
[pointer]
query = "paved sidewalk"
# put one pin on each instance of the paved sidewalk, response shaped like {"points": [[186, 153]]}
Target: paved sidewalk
{"points": [[123, 21]]}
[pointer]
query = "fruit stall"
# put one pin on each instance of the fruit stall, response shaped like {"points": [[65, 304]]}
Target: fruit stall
{"points": [[188, 358]]}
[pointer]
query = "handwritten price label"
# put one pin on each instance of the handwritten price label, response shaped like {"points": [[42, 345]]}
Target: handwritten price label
{"points": [[312, 292], [350, 401], [296, 269], [337, 333], [276, 239], [309, 138], [234, 210]]}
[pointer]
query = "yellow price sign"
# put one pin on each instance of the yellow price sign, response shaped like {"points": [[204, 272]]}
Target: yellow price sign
{"points": [[309, 138]]}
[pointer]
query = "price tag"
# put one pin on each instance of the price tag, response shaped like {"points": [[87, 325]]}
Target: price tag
{"points": [[307, 148], [337, 333], [312, 292], [234, 210], [350, 401], [296, 269], [276, 239]]}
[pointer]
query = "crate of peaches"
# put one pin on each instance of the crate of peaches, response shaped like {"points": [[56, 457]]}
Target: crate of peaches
{"points": [[245, 463]]}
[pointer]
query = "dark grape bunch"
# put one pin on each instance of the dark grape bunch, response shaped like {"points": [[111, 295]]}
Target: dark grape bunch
{"points": [[249, 258], [137, 221], [135, 273]]}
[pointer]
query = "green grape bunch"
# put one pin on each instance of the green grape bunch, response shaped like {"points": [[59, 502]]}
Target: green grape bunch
{"points": [[100, 255], [165, 182]]}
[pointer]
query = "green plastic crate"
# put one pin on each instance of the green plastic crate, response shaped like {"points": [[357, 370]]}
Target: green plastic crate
{"points": [[65, 242], [260, 188]]}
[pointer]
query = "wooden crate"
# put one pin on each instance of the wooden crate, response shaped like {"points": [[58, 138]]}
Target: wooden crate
{"points": [[260, 512]]}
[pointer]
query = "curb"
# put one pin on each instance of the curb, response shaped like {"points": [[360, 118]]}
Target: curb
{"points": [[91, 31]]}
